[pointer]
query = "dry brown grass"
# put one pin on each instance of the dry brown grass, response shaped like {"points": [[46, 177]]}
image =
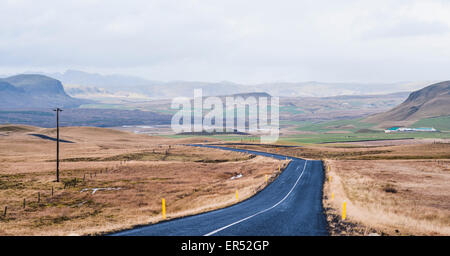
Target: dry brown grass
{"points": [[390, 189], [143, 169], [424, 150], [394, 197]]}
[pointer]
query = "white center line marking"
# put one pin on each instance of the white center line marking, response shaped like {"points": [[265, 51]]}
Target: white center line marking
{"points": [[265, 210]]}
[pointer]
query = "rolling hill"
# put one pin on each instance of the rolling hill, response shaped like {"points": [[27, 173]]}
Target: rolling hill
{"points": [[431, 101], [34, 91]]}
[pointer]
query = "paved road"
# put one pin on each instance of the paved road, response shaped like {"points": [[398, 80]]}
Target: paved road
{"points": [[290, 206]]}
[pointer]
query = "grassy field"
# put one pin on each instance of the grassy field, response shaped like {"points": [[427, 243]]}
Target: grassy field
{"points": [[235, 138], [340, 131], [352, 125], [439, 123], [348, 137], [397, 189], [394, 187], [112, 180], [393, 197], [355, 125], [291, 110], [421, 150], [315, 138]]}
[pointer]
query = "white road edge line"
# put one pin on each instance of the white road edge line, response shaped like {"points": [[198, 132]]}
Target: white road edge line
{"points": [[258, 213]]}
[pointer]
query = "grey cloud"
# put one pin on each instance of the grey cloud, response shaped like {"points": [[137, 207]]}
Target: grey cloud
{"points": [[408, 29], [249, 42]]}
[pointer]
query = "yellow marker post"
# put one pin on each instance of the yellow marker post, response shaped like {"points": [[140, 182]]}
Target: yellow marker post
{"points": [[343, 210], [237, 195], [266, 178], [164, 208], [332, 196], [279, 168], [329, 178]]}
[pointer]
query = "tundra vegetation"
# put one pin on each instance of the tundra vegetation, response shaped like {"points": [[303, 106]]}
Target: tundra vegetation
{"points": [[113, 180], [390, 187]]}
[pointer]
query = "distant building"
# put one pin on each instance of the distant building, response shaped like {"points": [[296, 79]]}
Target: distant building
{"points": [[406, 129]]}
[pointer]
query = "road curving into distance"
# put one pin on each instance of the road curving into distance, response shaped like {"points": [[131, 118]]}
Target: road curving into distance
{"points": [[289, 206]]}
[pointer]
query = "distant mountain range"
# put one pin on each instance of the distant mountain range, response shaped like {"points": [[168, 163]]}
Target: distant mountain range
{"points": [[22, 95], [94, 86], [431, 101], [29, 99], [34, 91]]}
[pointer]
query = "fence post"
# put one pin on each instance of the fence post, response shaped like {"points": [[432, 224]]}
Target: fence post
{"points": [[164, 208], [344, 210]]}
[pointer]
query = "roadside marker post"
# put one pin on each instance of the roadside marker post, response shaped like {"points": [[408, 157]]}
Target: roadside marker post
{"points": [[266, 178], [237, 195], [344, 210], [164, 208], [332, 196]]}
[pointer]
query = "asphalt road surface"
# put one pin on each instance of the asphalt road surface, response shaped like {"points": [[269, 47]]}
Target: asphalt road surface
{"points": [[290, 206]]}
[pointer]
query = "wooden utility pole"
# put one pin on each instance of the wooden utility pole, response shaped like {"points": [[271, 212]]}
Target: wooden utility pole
{"points": [[57, 142]]}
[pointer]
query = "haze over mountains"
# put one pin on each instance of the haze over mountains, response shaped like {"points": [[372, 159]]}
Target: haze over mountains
{"points": [[30, 98], [121, 100], [34, 91], [431, 101], [89, 85]]}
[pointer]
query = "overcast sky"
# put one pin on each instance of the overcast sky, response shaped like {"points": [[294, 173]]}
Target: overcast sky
{"points": [[241, 41]]}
